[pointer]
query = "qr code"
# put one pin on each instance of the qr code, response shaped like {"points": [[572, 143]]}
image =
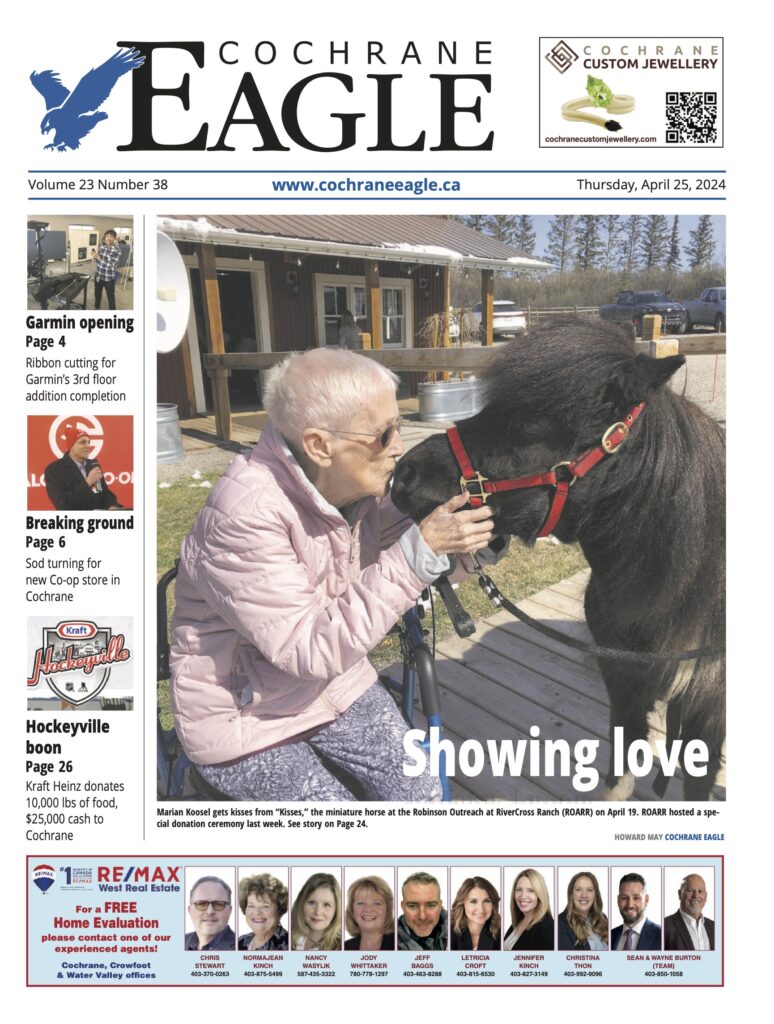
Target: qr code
{"points": [[691, 117]]}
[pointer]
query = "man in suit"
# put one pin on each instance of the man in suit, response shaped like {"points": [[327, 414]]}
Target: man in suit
{"points": [[688, 928], [75, 483], [636, 932]]}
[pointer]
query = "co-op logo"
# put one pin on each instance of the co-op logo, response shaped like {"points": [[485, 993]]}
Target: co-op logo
{"points": [[450, 103], [72, 115]]}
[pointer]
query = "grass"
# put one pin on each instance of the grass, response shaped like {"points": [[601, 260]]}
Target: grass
{"points": [[522, 572]]}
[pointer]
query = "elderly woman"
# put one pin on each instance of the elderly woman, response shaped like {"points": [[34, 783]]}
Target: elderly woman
{"points": [[476, 916], [315, 920], [295, 569], [263, 900], [532, 926], [369, 915], [583, 923]]}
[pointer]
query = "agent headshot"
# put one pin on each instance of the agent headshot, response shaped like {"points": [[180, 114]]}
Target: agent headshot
{"points": [[532, 924], [583, 924], [296, 567], [475, 915], [423, 923], [209, 907], [75, 482], [636, 932], [315, 921], [688, 928], [369, 914], [263, 900]]}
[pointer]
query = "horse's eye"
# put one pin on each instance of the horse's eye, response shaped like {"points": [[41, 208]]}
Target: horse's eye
{"points": [[533, 428]]}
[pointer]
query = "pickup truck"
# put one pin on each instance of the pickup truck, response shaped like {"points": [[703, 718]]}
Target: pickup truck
{"points": [[709, 309], [631, 307]]}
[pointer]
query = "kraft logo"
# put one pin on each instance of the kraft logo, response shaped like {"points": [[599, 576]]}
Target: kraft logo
{"points": [[81, 630], [72, 115], [135, 874]]}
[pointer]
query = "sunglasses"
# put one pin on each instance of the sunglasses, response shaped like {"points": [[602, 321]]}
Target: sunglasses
{"points": [[384, 437], [215, 904]]}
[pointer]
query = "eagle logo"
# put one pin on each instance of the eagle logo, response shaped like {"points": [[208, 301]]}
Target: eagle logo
{"points": [[72, 115]]}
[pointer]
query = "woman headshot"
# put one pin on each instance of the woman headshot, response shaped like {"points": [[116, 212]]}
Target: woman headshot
{"points": [[583, 923], [315, 921], [369, 915], [475, 916], [263, 900], [297, 566], [532, 925]]}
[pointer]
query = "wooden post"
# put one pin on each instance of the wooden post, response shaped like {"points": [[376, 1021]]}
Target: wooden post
{"points": [[373, 303], [220, 396], [211, 295], [214, 320], [487, 306]]}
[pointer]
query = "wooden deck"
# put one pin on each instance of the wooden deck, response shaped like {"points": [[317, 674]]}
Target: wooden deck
{"points": [[508, 678], [199, 432]]}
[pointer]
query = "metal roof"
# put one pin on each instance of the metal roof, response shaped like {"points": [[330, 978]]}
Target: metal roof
{"points": [[405, 238]]}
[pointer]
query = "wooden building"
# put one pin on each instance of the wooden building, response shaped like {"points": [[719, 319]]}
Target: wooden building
{"points": [[283, 283]]}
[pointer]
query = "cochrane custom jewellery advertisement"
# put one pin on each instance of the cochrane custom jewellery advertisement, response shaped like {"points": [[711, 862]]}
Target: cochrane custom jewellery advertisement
{"points": [[373, 582]]}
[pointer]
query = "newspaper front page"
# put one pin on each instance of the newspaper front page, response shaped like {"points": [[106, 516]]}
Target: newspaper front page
{"points": [[259, 749]]}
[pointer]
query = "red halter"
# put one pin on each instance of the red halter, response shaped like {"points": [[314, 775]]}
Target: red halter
{"points": [[612, 440]]}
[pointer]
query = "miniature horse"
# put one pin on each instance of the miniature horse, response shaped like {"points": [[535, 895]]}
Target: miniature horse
{"points": [[647, 507]]}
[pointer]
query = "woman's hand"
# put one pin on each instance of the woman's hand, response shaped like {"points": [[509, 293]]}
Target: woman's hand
{"points": [[448, 531]]}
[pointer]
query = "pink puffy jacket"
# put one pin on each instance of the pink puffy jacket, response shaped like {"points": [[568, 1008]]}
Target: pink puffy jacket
{"points": [[278, 601]]}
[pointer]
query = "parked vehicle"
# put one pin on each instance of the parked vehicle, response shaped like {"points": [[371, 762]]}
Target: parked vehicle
{"points": [[708, 310], [631, 307], [507, 318]]}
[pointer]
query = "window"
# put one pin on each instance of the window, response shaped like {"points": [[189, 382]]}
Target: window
{"points": [[335, 294]]}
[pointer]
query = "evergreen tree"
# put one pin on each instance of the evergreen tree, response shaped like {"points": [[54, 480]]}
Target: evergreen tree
{"points": [[629, 257], [588, 245], [559, 247], [654, 242], [673, 257], [502, 227], [524, 236], [612, 230], [701, 245], [476, 221]]}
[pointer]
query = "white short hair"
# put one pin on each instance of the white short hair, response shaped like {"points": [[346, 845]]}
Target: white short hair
{"points": [[322, 388]]}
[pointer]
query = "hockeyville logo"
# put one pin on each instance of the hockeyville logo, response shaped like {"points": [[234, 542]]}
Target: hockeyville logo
{"points": [[75, 659], [72, 115]]}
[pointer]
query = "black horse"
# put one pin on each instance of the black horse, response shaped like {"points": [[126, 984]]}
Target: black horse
{"points": [[647, 506]]}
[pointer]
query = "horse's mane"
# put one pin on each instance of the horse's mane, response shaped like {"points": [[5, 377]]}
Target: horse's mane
{"points": [[653, 513]]}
